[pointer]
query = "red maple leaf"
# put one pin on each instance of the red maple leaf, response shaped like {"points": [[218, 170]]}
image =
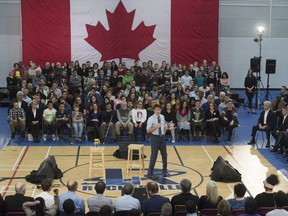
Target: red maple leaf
{"points": [[120, 41]]}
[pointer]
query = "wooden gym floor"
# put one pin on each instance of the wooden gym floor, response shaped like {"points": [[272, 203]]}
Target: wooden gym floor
{"points": [[192, 162]]}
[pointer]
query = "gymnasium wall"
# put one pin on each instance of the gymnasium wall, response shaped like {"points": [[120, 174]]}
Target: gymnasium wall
{"points": [[238, 21]]}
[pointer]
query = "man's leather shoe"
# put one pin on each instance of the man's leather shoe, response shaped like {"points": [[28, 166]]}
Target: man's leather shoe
{"points": [[252, 142], [280, 152], [164, 173], [153, 177], [273, 150]]}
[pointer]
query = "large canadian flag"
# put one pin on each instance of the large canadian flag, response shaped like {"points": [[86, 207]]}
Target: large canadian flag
{"points": [[181, 31]]}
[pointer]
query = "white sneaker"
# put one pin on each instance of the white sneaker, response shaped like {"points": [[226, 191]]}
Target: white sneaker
{"points": [[173, 141], [45, 137], [53, 137]]}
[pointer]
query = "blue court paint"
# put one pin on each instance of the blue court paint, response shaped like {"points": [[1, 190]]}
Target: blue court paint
{"points": [[114, 177]]}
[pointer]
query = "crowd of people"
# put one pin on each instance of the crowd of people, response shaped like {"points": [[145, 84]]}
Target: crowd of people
{"points": [[93, 99], [70, 203]]}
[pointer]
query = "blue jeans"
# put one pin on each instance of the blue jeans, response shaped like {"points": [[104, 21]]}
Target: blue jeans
{"points": [[78, 129]]}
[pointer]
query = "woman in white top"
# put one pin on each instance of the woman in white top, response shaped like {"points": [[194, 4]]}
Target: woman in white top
{"points": [[139, 117]]}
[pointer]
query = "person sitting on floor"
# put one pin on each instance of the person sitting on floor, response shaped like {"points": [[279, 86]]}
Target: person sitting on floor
{"points": [[266, 122]]}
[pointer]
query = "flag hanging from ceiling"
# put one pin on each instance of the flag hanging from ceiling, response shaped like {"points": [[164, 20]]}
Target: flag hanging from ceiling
{"points": [[181, 31]]}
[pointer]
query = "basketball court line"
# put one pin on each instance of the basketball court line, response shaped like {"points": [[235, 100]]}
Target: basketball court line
{"points": [[20, 159], [212, 161]]}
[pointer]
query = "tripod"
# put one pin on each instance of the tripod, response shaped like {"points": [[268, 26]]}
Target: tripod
{"points": [[268, 96]]}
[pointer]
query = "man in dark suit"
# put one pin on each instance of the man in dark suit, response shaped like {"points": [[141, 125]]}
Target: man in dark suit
{"points": [[185, 195], [155, 202], [266, 122], [13, 203], [281, 132]]}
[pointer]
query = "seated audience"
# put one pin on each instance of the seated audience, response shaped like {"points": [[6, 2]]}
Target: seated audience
{"points": [[13, 203], [266, 199], [38, 207], [77, 122], [166, 209], [105, 211], [266, 122], [34, 121], [156, 201], [212, 117], [17, 118], [250, 207], [225, 82], [239, 201], [197, 119], [2, 206], [72, 187], [127, 202], [281, 133], [223, 208], [109, 119], [63, 122], [183, 117], [170, 119], [96, 202], [284, 95], [229, 118], [211, 199], [139, 118], [281, 200], [49, 116], [69, 208], [46, 185], [185, 194], [94, 121], [124, 121], [191, 208]]}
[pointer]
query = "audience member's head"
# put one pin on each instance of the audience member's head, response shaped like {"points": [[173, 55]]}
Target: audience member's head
{"points": [[280, 199], [152, 188], [100, 187], [166, 209], [239, 190], [185, 185], [69, 206], [271, 181], [46, 184], [72, 185], [128, 188], [134, 212], [224, 208], [251, 206], [20, 188], [105, 211], [267, 105], [212, 192], [191, 207]]}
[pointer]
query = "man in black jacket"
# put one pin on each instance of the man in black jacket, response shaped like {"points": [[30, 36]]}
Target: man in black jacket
{"points": [[109, 119], [281, 132], [266, 122], [13, 203]]}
